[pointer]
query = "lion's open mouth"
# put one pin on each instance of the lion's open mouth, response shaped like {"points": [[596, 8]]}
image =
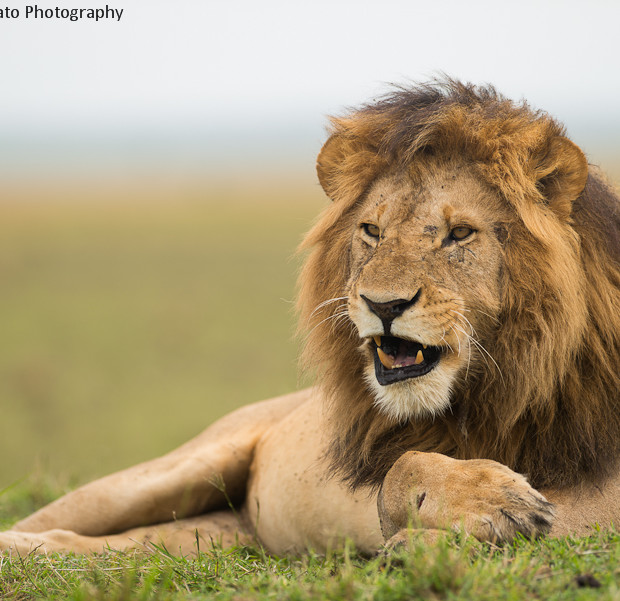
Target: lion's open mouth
{"points": [[397, 359]]}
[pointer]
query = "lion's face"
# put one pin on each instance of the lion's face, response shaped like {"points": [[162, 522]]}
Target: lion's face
{"points": [[424, 287], [467, 264]]}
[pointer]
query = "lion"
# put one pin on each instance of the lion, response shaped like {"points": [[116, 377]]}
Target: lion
{"points": [[461, 303]]}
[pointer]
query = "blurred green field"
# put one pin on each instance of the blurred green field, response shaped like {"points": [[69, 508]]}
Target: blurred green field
{"points": [[131, 321]]}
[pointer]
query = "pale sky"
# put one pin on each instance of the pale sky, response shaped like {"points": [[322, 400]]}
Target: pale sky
{"points": [[239, 76]]}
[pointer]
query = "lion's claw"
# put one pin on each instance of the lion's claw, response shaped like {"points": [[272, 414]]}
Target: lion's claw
{"points": [[529, 515]]}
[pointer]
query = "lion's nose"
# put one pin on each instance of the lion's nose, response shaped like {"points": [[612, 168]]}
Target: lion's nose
{"points": [[390, 310]]}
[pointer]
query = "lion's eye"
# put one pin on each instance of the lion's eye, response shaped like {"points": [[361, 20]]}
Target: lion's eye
{"points": [[371, 229], [461, 232]]}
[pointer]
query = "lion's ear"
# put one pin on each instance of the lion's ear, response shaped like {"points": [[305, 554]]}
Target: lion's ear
{"points": [[346, 166], [561, 171], [330, 157]]}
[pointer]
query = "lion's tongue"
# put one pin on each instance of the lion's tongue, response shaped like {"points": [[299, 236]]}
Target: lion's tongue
{"points": [[406, 354]]}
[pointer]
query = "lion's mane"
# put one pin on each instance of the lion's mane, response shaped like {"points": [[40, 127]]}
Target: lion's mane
{"points": [[554, 414]]}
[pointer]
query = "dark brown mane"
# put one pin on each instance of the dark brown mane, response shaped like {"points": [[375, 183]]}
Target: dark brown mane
{"points": [[555, 413]]}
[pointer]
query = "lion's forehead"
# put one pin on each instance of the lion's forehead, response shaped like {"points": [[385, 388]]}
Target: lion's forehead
{"points": [[431, 197]]}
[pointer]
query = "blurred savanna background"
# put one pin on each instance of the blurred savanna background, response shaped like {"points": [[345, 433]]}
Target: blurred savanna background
{"points": [[157, 175]]}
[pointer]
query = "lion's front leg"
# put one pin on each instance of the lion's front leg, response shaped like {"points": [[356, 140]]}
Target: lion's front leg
{"points": [[481, 497]]}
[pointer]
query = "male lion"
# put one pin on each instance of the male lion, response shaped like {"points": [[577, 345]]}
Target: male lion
{"points": [[462, 298]]}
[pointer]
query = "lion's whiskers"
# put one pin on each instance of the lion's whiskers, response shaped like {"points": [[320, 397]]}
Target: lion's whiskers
{"points": [[341, 314], [471, 339], [491, 317], [328, 302], [468, 351], [443, 337], [464, 307], [472, 329], [457, 339]]}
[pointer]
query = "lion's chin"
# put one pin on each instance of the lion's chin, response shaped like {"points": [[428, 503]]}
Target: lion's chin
{"points": [[425, 396]]}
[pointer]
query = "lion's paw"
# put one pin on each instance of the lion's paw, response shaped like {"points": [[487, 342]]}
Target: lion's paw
{"points": [[21, 543], [24, 543], [481, 497]]}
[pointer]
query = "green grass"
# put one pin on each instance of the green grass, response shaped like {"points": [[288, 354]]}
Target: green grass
{"points": [[549, 569]]}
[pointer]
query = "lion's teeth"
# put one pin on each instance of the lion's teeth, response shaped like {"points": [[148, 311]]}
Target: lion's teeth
{"points": [[424, 346], [385, 359], [377, 340], [419, 358]]}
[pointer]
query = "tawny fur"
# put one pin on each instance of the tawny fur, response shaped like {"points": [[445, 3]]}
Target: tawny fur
{"points": [[554, 414]]}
